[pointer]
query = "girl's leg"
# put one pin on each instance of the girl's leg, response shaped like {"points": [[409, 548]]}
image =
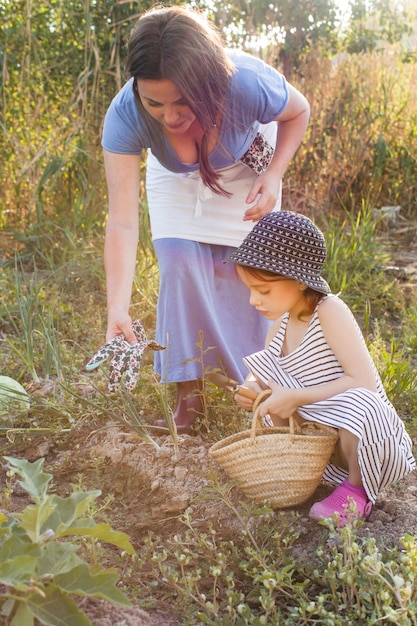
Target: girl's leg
{"points": [[348, 450], [352, 488]]}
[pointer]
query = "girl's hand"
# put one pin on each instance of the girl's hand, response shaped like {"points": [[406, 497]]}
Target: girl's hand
{"points": [[281, 403], [242, 398]]}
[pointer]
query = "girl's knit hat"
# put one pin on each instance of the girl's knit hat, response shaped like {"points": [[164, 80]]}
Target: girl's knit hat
{"points": [[288, 244]]}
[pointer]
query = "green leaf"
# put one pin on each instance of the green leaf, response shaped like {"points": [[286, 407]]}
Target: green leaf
{"points": [[56, 608], [58, 558], [18, 572], [34, 517], [102, 532], [34, 480], [101, 584], [68, 510], [18, 544], [22, 617]]}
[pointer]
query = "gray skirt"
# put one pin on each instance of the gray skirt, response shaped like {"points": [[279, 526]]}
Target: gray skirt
{"points": [[203, 313]]}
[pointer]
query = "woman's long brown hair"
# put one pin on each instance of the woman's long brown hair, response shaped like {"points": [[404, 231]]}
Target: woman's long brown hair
{"points": [[182, 46]]}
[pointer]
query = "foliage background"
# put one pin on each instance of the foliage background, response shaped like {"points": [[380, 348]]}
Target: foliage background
{"points": [[62, 62]]}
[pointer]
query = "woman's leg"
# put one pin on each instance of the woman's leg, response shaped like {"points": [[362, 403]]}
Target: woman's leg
{"points": [[205, 320], [189, 405], [203, 313]]}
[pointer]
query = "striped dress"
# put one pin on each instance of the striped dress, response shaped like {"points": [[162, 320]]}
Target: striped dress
{"points": [[384, 447]]}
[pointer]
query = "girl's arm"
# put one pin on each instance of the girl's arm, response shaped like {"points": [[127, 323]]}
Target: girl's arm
{"points": [[251, 381], [122, 232], [345, 340], [292, 126]]}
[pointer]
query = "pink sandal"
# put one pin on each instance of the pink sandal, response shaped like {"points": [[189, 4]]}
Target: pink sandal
{"points": [[339, 502]]}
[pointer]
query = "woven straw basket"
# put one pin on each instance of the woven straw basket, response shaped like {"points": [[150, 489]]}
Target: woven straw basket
{"points": [[283, 465]]}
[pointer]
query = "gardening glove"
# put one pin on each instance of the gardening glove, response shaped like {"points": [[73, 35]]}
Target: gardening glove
{"points": [[124, 358]]}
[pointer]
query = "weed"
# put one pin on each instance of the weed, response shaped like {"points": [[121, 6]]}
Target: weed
{"points": [[361, 583], [253, 579], [399, 376], [355, 259]]}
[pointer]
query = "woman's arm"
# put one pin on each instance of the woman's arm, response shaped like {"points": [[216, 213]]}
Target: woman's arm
{"points": [[345, 340], [122, 232], [293, 123]]}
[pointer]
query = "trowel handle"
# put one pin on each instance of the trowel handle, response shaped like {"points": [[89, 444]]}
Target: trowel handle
{"points": [[224, 382], [247, 392]]}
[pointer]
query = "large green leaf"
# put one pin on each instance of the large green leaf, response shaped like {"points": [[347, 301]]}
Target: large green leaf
{"points": [[58, 557], [34, 480], [103, 532], [18, 572], [22, 617], [16, 544], [68, 510], [34, 517], [56, 608], [101, 584]]}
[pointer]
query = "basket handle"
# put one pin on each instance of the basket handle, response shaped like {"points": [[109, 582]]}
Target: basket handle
{"points": [[263, 395]]}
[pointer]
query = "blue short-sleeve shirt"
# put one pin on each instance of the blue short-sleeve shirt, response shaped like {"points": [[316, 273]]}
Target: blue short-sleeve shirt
{"points": [[258, 95]]}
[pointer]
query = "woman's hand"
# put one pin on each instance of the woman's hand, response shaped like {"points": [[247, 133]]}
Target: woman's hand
{"points": [[266, 190], [292, 124], [120, 324], [122, 228]]}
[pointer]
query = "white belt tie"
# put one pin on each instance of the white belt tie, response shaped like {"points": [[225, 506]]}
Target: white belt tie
{"points": [[203, 193]]}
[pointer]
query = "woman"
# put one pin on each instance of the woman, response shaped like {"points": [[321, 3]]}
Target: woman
{"points": [[208, 118]]}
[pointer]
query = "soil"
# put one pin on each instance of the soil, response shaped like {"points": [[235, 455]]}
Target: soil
{"points": [[153, 486]]}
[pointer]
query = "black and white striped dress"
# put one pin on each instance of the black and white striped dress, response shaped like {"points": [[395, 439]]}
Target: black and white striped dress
{"points": [[384, 448]]}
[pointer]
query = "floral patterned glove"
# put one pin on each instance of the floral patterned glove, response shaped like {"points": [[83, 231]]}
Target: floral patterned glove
{"points": [[124, 358]]}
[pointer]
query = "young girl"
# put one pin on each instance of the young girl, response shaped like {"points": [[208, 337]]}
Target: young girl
{"points": [[317, 364]]}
